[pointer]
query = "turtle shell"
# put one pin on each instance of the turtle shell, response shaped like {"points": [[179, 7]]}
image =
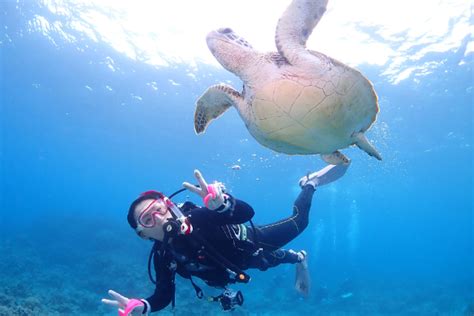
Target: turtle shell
{"points": [[313, 114]]}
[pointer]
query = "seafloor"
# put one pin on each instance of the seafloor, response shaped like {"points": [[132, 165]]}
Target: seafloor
{"points": [[66, 267]]}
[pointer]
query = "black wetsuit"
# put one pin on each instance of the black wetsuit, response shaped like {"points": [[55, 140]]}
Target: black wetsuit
{"points": [[245, 246]]}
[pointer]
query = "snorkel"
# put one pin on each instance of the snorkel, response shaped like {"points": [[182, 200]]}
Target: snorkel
{"points": [[178, 218]]}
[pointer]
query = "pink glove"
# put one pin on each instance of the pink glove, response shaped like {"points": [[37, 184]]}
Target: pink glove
{"points": [[212, 194], [130, 307], [215, 197], [127, 306]]}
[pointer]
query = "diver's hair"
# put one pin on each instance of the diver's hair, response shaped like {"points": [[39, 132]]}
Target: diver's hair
{"points": [[131, 211]]}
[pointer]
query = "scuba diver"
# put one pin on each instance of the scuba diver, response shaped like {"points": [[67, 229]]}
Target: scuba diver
{"points": [[214, 243]]}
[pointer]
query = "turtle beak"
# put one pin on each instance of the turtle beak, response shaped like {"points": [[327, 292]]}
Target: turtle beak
{"points": [[213, 38], [212, 35]]}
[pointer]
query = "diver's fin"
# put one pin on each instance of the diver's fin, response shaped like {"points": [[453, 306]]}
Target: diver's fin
{"points": [[212, 104], [363, 143], [303, 280], [336, 158], [324, 176]]}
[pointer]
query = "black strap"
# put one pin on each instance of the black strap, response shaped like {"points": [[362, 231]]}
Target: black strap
{"points": [[177, 192], [173, 288], [153, 253], [215, 256], [181, 190], [150, 259], [255, 239], [170, 229], [197, 289]]}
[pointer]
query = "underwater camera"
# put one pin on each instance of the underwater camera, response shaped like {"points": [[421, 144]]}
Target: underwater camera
{"points": [[229, 299]]}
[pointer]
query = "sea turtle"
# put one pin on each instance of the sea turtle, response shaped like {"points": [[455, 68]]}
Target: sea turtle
{"points": [[294, 101]]}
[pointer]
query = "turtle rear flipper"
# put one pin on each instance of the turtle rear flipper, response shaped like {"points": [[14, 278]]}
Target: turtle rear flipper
{"points": [[212, 104], [363, 143]]}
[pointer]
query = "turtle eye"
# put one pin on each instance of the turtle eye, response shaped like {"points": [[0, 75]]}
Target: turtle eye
{"points": [[225, 30]]}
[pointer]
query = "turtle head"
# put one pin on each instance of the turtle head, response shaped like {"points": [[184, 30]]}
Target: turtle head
{"points": [[232, 51]]}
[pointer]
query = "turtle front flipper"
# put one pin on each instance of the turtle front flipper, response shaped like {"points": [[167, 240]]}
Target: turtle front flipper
{"points": [[212, 104], [336, 158], [294, 28]]}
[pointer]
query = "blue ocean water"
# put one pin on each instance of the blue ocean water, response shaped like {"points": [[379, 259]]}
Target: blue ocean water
{"points": [[79, 142]]}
